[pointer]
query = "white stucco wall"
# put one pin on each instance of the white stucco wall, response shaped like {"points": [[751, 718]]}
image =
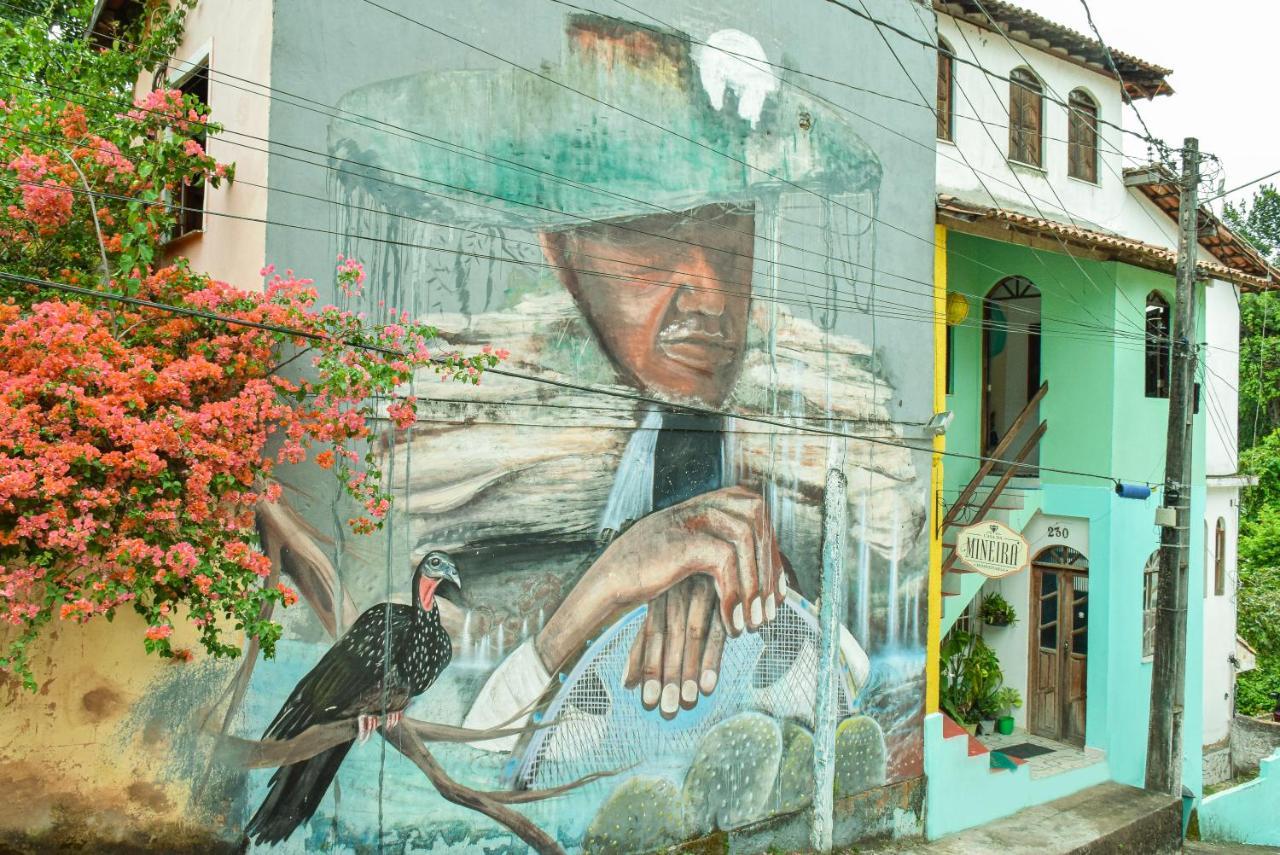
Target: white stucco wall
{"points": [[983, 174], [1219, 617], [1221, 377], [1052, 192], [1220, 400], [235, 36]]}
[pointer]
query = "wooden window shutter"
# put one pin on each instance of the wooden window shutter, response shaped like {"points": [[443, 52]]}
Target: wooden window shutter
{"points": [[1082, 137], [1025, 117], [945, 71]]}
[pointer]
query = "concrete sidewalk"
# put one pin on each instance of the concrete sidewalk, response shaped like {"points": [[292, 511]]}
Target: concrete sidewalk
{"points": [[1103, 819], [1200, 848]]}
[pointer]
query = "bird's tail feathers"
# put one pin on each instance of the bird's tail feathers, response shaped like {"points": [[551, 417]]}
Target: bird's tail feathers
{"points": [[294, 794]]}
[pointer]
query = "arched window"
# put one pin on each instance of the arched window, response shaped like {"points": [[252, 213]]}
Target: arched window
{"points": [[946, 88], [1159, 327], [1220, 558], [1026, 117], [1082, 136]]}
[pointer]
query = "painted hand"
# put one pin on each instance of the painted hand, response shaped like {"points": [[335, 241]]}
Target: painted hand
{"points": [[676, 655], [723, 538]]}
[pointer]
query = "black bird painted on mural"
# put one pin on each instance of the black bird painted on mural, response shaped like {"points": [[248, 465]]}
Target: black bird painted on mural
{"points": [[364, 674]]}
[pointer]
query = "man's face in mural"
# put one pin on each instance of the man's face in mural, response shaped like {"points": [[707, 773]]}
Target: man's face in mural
{"points": [[667, 295]]}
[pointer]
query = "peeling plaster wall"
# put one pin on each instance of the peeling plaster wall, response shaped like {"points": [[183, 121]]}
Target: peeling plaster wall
{"points": [[120, 750]]}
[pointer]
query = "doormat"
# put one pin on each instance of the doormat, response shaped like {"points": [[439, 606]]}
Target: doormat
{"points": [[1024, 750]]}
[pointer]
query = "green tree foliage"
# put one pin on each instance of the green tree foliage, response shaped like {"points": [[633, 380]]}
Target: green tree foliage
{"points": [[1258, 221], [1258, 598]]}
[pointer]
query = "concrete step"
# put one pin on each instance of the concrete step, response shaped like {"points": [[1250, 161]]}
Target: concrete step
{"points": [[1107, 818], [1196, 847]]}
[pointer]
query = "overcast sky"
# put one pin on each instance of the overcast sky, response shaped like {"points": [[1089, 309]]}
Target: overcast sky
{"points": [[1224, 56]]}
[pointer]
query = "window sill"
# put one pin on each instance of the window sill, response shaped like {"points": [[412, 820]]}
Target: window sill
{"points": [[183, 239], [1029, 167], [1085, 181], [951, 143]]}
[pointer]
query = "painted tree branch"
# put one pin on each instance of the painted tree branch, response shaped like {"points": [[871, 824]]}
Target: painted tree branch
{"points": [[407, 738], [413, 748], [266, 753]]}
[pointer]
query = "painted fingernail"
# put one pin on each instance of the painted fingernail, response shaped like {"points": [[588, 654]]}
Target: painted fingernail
{"points": [[652, 688], [688, 691], [738, 623], [670, 698], [708, 681], [782, 583], [770, 608], [757, 612]]}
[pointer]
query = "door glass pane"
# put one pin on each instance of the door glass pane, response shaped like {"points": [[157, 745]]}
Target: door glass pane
{"points": [[1080, 615], [1049, 610]]}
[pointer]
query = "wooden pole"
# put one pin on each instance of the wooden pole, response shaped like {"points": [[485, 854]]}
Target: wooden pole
{"points": [[1168, 670]]}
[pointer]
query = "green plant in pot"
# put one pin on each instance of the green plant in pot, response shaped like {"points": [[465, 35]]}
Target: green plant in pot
{"points": [[1006, 701], [997, 611], [970, 676]]}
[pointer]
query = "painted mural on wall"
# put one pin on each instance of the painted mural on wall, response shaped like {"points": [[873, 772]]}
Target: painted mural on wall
{"points": [[617, 592]]}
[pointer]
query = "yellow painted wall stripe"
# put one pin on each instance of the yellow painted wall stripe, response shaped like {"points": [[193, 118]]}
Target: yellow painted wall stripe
{"points": [[934, 642]]}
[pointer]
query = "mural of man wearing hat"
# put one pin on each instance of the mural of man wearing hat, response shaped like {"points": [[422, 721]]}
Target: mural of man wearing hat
{"points": [[654, 238]]}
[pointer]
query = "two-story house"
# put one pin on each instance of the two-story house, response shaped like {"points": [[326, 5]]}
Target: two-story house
{"points": [[1060, 251]]}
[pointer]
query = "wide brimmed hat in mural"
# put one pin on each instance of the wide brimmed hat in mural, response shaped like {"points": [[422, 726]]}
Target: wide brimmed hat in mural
{"points": [[633, 121]]}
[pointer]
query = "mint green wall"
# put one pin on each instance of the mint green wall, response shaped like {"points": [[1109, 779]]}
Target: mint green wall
{"points": [[1247, 813], [1077, 311], [1100, 421]]}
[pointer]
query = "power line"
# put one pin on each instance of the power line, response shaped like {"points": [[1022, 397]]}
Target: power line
{"points": [[1160, 146], [563, 384], [554, 176], [866, 15], [1100, 326], [777, 65], [1108, 330], [890, 225], [1065, 290], [1241, 187], [905, 312], [901, 311], [1106, 51], [1085, 327], [649, 122], [1061, 204]]}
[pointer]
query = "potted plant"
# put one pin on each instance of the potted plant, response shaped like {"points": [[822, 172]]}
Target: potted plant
{"points": [[997, 611], [1006, 701], [970, 677]]}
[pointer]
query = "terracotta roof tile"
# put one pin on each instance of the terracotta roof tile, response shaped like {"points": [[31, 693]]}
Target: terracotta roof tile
{"points": [[1239, 263], [1142, 79]]}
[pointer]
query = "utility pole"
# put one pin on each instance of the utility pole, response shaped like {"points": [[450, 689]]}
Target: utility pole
{"points": [[1168, 671]]}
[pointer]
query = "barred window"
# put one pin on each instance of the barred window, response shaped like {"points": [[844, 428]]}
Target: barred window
{"points": [[1159, 330], [1150, 580]]}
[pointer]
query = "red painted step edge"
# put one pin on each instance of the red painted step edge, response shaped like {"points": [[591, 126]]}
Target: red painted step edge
{"points": [[950, 730]]}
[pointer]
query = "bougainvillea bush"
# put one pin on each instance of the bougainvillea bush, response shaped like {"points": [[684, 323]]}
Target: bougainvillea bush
{"points": [[138, 433]]}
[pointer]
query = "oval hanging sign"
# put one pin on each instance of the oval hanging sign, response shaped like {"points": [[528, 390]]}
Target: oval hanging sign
{"points": [[992, 549]]}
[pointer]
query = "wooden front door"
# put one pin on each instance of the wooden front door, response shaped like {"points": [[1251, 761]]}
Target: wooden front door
{"points": [[1059, 645]]}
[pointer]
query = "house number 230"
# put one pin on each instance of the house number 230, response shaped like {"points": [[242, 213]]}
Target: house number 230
{"points": [[1060, 531]]}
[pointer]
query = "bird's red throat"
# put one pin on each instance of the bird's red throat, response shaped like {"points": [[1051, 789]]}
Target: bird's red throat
{"points": [[427, 592]]}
